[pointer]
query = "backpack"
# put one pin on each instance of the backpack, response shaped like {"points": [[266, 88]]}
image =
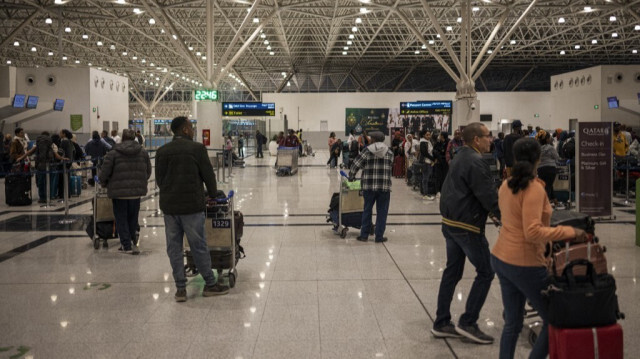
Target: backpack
{"points": [[569, 149], [44, 152], [354, 147]]}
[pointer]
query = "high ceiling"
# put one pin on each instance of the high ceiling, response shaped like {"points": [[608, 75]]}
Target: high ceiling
{"points": [[392, 49]]}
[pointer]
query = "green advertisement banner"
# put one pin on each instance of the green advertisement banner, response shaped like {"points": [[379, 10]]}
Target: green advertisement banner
{"points": [[369, 119], [76, 122]]}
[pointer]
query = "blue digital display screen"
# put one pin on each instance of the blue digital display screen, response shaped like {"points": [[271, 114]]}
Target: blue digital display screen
{"points": [[613, 102], [423, 107], [32, 102], [58, 105], [18, 101], [248, 109]]}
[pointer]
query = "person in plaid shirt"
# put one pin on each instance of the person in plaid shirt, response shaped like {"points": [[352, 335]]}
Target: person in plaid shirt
{"points": [[376, 162]]}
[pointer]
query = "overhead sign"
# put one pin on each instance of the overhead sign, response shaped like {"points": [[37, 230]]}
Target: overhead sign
{"points": [[423, 107], [248, 109], [594, 157], [206, 95]]}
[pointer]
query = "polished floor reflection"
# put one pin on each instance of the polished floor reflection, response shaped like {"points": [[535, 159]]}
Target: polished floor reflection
{"points": [[302, 292]]}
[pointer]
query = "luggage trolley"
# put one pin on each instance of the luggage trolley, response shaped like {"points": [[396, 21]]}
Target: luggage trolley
{"points": [[287, 161], [221, 239], [562, 185], [102, 213], [350, 207]]}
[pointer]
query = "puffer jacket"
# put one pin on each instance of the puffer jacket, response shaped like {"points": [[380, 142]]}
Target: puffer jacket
{"points": [[126, 170], [468, 194], [182, 166]]}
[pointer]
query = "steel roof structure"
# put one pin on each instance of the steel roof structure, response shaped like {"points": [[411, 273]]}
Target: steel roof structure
{"points": [[247, 47]]}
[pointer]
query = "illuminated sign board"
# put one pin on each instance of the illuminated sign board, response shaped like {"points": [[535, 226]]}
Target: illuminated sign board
{"points": [[248, 109], [206, 95], [423, 107]]}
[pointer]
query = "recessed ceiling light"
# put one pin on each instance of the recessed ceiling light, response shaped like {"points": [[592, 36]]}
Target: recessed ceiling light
{"points": [[175, 37], [8, 62], [256, 20], [162, 31], [612, 18], [637, 28], [512, 42], [266, 42], [562, 52], [99, 43], [634, 51], [349, 42], [198, 53], [351, 36], [424, 46], [475, 8], [269, 47], [124, 53], [15, 43], [64, 58], [33, 49], [120, 2], [152, 64], [345, 48], [77, 61], [431, 42], [365, 1], [417, 52], [135, 57], [272, 53], [594, 42], [459, 19], [85, 36], [58, 2], [577, 47], [588, 9], [48, 21], [561, 20], [344, 52], [449, 28], [136, 11], [152, 21], [204, 57], [358, 20], [263, 36], [490, 52], [112, 47], [50, 53], [354, 29], [90, 64], [438, 36], [363, 10], [190, 48], [67, 29], [615, 34]]}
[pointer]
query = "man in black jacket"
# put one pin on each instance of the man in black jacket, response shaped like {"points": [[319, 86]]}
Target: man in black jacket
{"points": [[125, 172], [507, 144], [182, 166], [261, 140], [468, 198]]}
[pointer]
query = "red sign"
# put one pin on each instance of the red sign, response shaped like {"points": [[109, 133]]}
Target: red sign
{"points": [[206, 137]]}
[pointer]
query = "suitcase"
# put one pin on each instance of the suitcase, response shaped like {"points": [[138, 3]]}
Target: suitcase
{"points": [[75, 185], [17, 189], [586, 343], [398, 167], [592, 252], [573, 219]]}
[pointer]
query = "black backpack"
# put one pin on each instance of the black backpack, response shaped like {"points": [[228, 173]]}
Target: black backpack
{"points": [[44, 152], [569, 149]]}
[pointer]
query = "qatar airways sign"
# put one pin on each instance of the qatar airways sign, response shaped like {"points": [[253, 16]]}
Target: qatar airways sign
{"points": [[594, 167]]}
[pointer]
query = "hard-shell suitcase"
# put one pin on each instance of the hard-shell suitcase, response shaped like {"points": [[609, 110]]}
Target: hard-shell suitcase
{"points": [[573, 219], [586, 343], [17, 189], [398, 167], [592, 252], [75, 185]]}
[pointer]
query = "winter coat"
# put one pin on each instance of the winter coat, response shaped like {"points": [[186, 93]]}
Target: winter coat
{"points": [[126, 170]]}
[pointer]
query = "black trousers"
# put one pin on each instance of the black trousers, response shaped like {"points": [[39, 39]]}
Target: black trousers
{"points": [[548, 175]]}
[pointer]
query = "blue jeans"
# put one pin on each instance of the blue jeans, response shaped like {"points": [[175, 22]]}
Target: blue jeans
{"points": [[41, 181], [176, 226], [463, 244], [517, 285], [381, 200], [426, 176], [126, 213]]}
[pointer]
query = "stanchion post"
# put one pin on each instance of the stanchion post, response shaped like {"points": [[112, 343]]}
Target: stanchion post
{"points": [[626, 198], [637, 213], [48, 187], [65, 173], [230, 162]]}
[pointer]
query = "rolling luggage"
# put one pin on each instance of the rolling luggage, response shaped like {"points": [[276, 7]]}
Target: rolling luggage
{"points": [[573, 219], [17, 189], [592, 252], [586, 343], [398, 167], [75, 185]]}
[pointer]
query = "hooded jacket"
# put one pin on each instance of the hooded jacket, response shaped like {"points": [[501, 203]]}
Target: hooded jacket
{"points": [[126, 170], [376, 162], [468, 194]]}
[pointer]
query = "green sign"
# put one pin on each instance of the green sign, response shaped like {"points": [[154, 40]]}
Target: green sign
{"points": [[536, 115], [206, 95], [596, 106], [76, 122]]}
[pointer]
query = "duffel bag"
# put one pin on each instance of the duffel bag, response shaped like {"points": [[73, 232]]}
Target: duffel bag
{"points": [[582, 301]]}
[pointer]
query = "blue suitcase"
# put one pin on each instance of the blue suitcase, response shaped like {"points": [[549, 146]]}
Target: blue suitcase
{"points": [[75, 186]]}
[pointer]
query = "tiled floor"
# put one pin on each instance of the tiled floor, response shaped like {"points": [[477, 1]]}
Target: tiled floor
{"points": [[302, 292]]}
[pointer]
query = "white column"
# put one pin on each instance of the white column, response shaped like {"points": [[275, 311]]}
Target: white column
{"points": [[209, 116]]}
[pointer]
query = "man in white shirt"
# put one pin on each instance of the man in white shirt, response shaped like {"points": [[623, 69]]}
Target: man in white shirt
{"points": [[114, 135]]}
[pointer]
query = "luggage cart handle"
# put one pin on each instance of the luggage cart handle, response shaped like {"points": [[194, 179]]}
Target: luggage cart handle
{"points": [[343, 174], [225, 199]]}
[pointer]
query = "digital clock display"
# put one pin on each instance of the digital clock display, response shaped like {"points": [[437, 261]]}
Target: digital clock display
{"points": [[248, 109], [206, 95]]}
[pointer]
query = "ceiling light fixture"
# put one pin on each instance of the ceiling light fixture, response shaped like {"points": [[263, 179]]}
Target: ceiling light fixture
{"points": [[490, 52], [99, 43], [424, 47], [124, 53], [351, 36], [354, 29], [365, 1], [588, 9], [269, 47], [77, 61], [562, 52], [358, 20], [612, 18], [33, 49], [637, 28], [449, 28], [475, 8], [417, 52], [204, 57], [262, 36], [344, 52], [152, 21], [143, 61], [85, 36], [137, 11], [50, 53], [459, 20], [594, 42], [634, 51], [198, 53], [561, 20], [272, 53], [345, 48], [64, 58], [512, 42], [48, 21], [135, 57], [577, 47], [256, 20], [363, 10], [266, 42], [190, 48], [112, 47], [121, 2], [349, 42], [615, 34], [67, 29], [15, 43], [58, 2], [175, 37], [431, 42]]}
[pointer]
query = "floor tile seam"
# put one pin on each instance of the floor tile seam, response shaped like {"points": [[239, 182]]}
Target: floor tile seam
{"points": [[418, 298], [266, 301]]}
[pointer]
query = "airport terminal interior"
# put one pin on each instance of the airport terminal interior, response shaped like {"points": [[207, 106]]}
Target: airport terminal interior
{"points": [[236, 67]]}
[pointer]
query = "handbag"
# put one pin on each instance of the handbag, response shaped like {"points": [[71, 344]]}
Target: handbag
{"points": [[582, 301]]}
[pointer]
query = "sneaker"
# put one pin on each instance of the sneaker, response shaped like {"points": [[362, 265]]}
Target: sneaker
{"points": [[382, 240], [217, 289], [125, 251], [362, 239], [445, 331], [428, 197], [135, 250], [474, 333], [181, 295]]}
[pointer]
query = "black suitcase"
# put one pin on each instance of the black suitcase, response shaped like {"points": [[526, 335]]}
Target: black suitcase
{"points": [[17, 189], [573, 219]]}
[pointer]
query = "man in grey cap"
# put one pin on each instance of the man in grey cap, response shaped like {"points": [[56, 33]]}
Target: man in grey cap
{"points": [[376, 162], [516, 134]]}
